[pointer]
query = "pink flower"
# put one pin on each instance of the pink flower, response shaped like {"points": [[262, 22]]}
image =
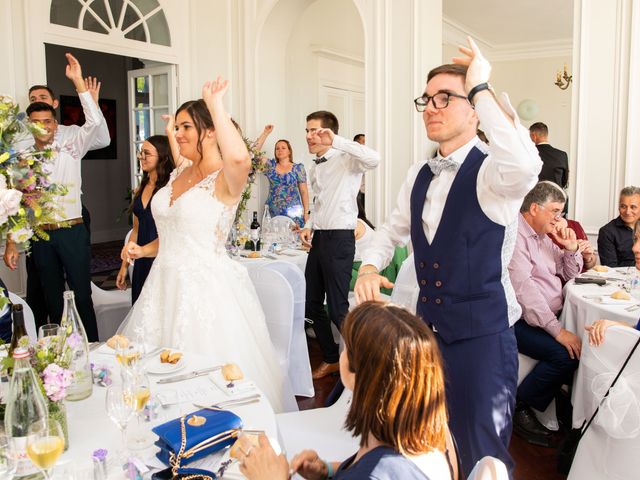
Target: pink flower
{"points": [[56, 381], [74, 340]]}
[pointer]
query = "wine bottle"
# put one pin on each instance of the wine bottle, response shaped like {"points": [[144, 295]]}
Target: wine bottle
{"points": [[19, 330], [25, 406], [82, 385], [255, 232]]}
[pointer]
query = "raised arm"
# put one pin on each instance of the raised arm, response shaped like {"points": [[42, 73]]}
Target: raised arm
{"points": [[363, 157], [83, 138], [235, 156], [263, 137], [103, 139], [170, 130]]}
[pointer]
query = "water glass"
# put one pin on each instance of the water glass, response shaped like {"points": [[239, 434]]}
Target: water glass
{"points": [[7, 460], [120, 407], [49, 330]]}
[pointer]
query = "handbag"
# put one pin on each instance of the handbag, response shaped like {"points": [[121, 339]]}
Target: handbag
{"points": [[191, 437], [569, 446]]}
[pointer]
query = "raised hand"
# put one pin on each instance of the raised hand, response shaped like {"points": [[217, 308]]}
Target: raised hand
{"points": [[479, 67], [213, 91], [93, 86], [323, 136], [268, 129], [169, 124], [73, 71]]}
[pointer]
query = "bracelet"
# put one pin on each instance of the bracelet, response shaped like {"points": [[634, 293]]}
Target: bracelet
{"points": [[329, 469], [366, 273], [478, 88]]}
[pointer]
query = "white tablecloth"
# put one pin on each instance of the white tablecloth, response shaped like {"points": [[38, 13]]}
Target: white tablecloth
{"points": [[90, 428], [294, 256], [582, 306]]}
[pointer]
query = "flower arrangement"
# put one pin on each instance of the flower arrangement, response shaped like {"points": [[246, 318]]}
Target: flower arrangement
{"points": [[28, 198], [257, 166]]}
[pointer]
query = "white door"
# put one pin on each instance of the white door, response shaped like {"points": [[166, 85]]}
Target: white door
{"points": [[152, 93], [347, 105]]}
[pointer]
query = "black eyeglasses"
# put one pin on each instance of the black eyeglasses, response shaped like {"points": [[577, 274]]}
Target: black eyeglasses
{"points": [[440, 100]]}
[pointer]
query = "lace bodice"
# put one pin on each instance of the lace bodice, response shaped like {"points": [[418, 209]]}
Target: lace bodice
{"points": [[194, 229]]}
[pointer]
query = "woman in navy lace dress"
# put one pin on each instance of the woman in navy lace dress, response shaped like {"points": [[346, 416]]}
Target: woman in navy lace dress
{"points": [[156, 162]]}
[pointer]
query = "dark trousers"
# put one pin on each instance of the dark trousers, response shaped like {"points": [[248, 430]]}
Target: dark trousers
{"points": [[328, 272], [66, 257], [35, 294], [554, 368], [481, 375]]}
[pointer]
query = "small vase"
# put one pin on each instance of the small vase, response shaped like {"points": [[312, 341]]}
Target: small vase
{"points": [[58, 412]]}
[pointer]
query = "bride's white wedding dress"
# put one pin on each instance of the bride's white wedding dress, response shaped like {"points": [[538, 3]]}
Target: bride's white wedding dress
{"points": [[196, 299]]}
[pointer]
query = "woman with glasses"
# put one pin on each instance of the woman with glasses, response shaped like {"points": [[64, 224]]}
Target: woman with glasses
{"points": [[288, 194], [156, 164]]}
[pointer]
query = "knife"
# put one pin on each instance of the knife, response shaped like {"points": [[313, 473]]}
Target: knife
{"points": [[187, 376]]}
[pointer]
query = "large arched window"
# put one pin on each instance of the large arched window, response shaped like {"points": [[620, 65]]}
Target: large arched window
{"points": [[141, 20]]}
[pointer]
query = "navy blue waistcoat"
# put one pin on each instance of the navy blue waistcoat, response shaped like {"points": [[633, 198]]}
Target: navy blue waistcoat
{"points": [[459, 273]]}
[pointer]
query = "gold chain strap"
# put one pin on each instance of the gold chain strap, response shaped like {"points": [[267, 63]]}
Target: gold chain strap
{"points": [[175, 460]]}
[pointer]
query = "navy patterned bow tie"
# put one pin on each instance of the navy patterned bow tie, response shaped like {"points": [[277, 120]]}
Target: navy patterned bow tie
{"points": [[437, 165], [320, 160]]}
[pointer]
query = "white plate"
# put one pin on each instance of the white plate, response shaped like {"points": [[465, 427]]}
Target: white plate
{"points": [[156, 367]]}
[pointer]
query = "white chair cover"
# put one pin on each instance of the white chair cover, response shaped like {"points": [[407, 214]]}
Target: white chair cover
{"points": [[611, 446], [29, 319], [111, 307], [489, 468], [299, 364], [281, 220], [320, 429], [406, 290]]}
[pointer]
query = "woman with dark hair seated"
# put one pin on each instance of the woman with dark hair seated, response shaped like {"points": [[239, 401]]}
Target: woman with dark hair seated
{"points": [[398, 407]]}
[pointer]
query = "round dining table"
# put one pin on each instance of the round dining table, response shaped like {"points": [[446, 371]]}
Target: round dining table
{"points": [[90, 427], [586, 303]]}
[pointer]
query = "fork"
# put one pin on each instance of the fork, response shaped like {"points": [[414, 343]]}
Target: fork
{"points": [[632, 308]]}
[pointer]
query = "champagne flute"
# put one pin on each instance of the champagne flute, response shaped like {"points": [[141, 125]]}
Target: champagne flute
{"points": [[120, 407], [45, 444], [128, 354], [139, 389]]}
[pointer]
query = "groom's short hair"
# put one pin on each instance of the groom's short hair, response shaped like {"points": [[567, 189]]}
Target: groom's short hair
{"points": [[327, 120]]}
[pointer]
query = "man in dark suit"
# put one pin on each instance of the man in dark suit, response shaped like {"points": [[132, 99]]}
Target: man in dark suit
{"points": [[555, 163]]}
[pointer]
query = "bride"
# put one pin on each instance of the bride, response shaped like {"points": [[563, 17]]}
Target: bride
{"points": [[196, 298]]}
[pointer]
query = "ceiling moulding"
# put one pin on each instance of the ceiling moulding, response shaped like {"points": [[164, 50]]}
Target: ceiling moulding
{"points": [[454, 33], [336, 55]]}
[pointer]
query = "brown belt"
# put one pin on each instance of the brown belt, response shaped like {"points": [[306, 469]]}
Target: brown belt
{"points": [[66, 223]]}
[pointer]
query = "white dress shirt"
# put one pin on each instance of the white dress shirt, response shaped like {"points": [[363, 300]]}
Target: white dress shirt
{"points": [[101, 140], [336, 182], [505, 177], [70, 146]]}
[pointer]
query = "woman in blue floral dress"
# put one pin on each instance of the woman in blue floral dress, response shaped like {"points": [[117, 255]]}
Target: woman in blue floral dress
{"points": [[288, 194]]}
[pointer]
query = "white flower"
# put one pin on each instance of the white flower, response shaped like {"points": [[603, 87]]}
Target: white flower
{"points": [[3, 182], [22, 235], [9, 203]]}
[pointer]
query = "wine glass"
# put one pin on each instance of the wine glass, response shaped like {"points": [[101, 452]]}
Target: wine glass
{"points": [[7, 459], [138, 385], [128, 354], [49, 330], [120, 407], [45, 444]]}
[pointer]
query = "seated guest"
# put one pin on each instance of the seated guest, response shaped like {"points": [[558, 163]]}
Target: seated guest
{"points": [[288, 194], [588, 255], [616, 237], [156, 163], [400, 416], [596, 329], [535, 269]]}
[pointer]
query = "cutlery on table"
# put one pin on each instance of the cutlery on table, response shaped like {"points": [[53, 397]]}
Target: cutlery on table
{"points": [[234, 402], [190, 375]]}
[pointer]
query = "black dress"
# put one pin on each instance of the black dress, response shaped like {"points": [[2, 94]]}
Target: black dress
{"points": [[146, 233]]}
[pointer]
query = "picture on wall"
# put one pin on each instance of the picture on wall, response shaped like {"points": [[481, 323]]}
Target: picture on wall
{"points": [[71, 114]]}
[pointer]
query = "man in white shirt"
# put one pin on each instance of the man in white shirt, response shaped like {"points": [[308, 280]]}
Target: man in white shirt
{"points": [[459, 210], [335, 180], [66, 256], [43, 93]]}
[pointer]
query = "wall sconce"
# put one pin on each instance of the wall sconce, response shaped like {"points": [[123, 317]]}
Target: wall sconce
{"points": [[563, 80]]}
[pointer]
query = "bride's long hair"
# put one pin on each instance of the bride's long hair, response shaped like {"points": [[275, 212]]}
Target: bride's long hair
{"points": [[202, 120]]}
